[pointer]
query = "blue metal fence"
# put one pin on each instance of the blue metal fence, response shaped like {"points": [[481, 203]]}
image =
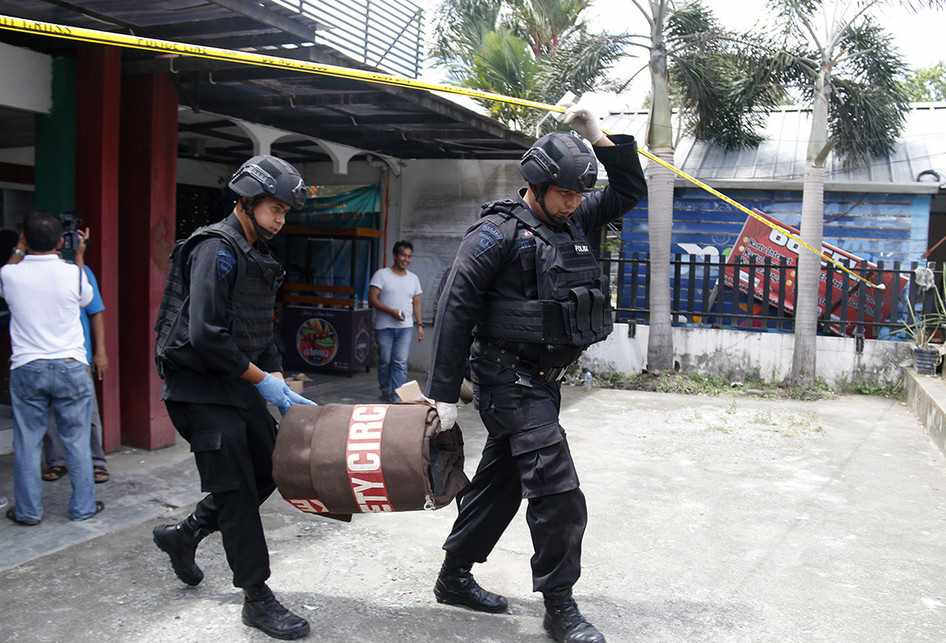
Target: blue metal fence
{"points": [[699, 297]]}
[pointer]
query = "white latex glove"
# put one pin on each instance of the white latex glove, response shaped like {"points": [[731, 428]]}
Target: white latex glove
{"points": [[448, 414], [583, 122]]}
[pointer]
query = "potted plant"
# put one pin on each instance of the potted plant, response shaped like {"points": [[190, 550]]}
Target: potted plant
{"points": [[921, 328]]}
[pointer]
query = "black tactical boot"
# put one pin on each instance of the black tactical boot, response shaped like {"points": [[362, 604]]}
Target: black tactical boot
{"points": [[455, 586], [564, 622], [180, 543], [263, 611]]}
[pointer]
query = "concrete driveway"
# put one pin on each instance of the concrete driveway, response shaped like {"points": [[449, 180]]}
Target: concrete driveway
{"points": [[711, 519]]}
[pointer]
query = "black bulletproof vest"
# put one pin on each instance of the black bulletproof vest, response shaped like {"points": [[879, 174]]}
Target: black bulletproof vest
{"points": [[254, 298], [259, 276], [572, 307]]}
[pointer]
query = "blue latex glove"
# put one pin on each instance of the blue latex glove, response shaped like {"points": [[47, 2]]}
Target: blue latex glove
{"points": [[277, 392]]}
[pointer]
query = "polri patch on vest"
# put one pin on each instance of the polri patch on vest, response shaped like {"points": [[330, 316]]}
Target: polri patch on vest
{"points": [[489, 236], [582, 248], [225, 263]]}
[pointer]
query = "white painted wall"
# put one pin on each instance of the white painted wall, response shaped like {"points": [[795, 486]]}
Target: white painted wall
{"points": [[26, 77], [735, 354], [439, 200]]}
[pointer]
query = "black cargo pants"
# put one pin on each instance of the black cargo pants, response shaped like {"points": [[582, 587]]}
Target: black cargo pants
{"points": [[526, 456], [233, 448]]}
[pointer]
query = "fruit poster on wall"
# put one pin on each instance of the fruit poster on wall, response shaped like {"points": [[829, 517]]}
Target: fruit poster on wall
{"points": [[317, 341], [326, 338]]}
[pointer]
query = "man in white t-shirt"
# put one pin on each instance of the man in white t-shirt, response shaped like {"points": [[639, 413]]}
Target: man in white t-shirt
{"points": [[395, 293], [49, 368]]}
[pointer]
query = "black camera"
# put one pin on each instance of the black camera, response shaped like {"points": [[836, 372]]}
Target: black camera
{"points": [[70, 224]]}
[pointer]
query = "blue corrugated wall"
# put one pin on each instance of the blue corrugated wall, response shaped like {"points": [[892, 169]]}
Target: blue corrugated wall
{"points": [[878, 227]]}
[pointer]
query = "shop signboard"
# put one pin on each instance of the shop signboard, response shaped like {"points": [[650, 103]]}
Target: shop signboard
{"points": [[759, 241]]}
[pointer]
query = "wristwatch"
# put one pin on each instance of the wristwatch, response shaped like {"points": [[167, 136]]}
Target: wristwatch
{"points": [[418, 325]]}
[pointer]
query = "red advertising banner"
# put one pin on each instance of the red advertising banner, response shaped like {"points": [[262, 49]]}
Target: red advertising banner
{"points": [[758, 241]]}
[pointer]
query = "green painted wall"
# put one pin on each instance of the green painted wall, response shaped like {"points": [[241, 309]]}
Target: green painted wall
{"points": [[56, 144]]}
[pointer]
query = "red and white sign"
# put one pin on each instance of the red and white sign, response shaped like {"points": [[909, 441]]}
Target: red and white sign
{"points": [[363, 462], [309, 505], [758, 241], [363, 457]]}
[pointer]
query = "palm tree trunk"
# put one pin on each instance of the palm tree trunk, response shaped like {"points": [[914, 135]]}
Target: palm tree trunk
{"points": [[659, 207], [804, 358], [660, 223], [808, 278]]}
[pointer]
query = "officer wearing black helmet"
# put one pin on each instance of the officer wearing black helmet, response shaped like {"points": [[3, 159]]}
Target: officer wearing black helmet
{"points": [[524, 297], [217, 353]]}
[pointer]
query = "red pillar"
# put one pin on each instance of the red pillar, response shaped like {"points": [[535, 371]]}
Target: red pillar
{"points": [[146, 228], [98, 107]]}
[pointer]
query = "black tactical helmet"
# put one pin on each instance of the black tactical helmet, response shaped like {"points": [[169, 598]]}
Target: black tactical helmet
{"points": [[560, 159], [269, 176]]}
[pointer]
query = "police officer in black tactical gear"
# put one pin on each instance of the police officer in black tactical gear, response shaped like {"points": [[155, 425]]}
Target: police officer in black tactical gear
{"points": [[217, 354], [524, 297]]}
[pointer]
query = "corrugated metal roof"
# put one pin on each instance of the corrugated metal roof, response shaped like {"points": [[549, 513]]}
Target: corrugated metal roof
{"points": [[391, 121], [917, 165]]}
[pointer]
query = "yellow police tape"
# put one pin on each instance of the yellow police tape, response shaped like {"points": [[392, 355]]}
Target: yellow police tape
{"points": [[215, 53]]}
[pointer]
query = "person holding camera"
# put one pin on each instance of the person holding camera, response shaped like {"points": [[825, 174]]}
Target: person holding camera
{"points": [[49, 367]]}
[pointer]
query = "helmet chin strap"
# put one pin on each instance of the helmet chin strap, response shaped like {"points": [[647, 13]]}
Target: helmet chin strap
{"points": [[538, 191], [261, 232]]}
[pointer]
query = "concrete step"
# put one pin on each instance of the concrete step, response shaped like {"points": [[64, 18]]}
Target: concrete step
{"points": [[926, 397]]}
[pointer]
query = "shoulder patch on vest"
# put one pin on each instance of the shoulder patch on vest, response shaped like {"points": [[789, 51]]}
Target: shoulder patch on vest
{"points": [[225, 263], [525, 238], [489, 236]]}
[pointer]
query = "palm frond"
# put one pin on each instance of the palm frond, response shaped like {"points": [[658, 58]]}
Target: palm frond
{"points": [[865, 121], [871, 56], [459, 27], [578, 65]]}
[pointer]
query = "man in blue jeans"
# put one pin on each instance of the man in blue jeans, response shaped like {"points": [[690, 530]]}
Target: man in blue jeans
{"points": [[395, 293], [48, 367], [93, 327]]}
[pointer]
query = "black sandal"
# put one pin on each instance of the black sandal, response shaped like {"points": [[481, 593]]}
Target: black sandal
{"points": [[99, 507], [11, 514], [54, 473]]}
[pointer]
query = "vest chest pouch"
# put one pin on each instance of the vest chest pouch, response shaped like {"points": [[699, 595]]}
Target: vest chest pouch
{"points": [[587, 315], [572, 307]]}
